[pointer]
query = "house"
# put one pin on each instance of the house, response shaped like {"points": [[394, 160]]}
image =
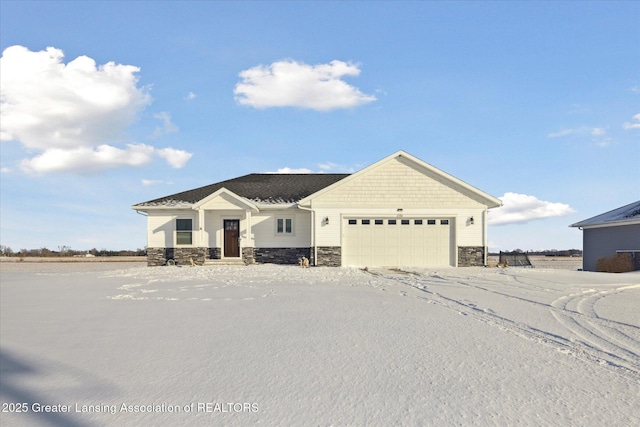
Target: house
{"points": [[609, 233], [400, 211]]}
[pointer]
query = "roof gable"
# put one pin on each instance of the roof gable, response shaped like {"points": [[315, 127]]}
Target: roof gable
{"points": [[405, 177], [626, 214], [225, 199]]}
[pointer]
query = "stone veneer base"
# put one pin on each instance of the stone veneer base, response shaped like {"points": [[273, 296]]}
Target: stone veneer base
{"points": [[181, 256], [471, 256], [280, 255]]}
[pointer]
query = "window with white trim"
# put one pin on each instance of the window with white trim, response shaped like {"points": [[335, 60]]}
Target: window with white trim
{"points": [[284, 226], [184, 231]]}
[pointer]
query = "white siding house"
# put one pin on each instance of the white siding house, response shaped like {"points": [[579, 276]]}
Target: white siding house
{"points": [[400, 211]]}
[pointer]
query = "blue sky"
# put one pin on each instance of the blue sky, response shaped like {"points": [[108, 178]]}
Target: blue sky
{"points": [[107, 104]]}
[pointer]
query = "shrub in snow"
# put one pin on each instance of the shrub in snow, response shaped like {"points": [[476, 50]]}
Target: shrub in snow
{"points": [[617, 263]]}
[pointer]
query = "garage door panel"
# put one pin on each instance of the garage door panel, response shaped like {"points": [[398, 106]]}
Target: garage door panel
{"points": [[395, 242]]}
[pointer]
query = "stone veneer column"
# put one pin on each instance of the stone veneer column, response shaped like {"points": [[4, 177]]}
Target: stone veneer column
{"points": [[471, 256], [247, 255], [329, 256]]}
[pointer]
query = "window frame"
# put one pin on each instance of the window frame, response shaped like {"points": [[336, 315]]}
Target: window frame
{"points": [[180, 231], [285, 219]]}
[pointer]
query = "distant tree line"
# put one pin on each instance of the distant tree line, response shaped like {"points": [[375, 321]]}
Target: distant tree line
{"points": [[66, 251], [547, 252]]}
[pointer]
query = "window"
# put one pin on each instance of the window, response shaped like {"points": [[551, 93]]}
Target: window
{"points": [[284, 225], [366, 222], [391, 222], [404, 222], [353, 221], [444, 222], [417, 222], [184, 233], [431, 222], [379, 222]]}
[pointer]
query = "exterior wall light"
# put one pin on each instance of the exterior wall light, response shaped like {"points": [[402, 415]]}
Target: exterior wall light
{"points": [[471, 221]]}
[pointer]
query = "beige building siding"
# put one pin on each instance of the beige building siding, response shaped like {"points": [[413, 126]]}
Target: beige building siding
{"points": [[263, 225], [161, 227], [398, 183], [468, 234]]}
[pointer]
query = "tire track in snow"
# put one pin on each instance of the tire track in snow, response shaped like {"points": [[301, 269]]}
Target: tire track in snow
{"points": [[615, 356], [593, 330]]}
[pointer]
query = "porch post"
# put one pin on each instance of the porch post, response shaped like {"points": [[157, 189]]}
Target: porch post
{"points": [[201, 242]]}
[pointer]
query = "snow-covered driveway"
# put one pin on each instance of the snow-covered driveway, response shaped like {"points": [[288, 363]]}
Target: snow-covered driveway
{"points": [[276, 345]]}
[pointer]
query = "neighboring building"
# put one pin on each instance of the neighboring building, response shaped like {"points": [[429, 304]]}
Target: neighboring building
{"points": [[400, 211], [610, 233]]}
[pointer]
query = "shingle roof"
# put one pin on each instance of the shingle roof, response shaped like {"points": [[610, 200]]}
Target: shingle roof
{"points": [[625, 213], [257, 187]]}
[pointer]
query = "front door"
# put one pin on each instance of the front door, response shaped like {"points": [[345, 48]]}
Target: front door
{"points": [[232, 238]]}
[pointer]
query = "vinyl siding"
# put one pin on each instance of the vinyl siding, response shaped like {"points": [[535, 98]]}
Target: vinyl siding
{"points": [[161, 227], [264, 229], [397, 183]]}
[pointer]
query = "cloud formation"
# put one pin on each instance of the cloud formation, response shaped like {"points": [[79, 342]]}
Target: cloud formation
{"points": [[295, 84], [635, 125], [70, 113], [292, 170], [166, 126], [521, 208]]}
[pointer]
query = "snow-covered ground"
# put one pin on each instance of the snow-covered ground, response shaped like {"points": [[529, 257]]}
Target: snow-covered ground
{"points": [[279, 345]]}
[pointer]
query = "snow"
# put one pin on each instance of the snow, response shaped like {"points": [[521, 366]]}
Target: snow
{"points": [[281, 345], [628, 212]]}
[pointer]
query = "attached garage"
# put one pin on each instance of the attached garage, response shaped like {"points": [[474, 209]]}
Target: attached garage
{"points": [[383, 242]]}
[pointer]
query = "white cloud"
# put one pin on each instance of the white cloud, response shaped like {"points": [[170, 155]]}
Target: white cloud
{"points": [[293, 170], [176, 158], [580, 131], [166, 127], [148, 182], [190, 96], [88, 159], [520, 208], [327, 166], [70, 113], [598, 134], [295, 84], [561, 133], [636, 125]]}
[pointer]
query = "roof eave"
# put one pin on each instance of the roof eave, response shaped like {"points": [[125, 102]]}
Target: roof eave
{"points": [[586, 225]]}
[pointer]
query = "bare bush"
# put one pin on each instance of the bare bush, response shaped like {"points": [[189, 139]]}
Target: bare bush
{"points": [[617, 263]]}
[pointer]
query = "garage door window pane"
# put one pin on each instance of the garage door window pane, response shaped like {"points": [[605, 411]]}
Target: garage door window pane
{"points": [[417, 222], [353, 222], [431, 222], [444, 222], [379, 222], [392, 222], [405, 222], [366, 222]]}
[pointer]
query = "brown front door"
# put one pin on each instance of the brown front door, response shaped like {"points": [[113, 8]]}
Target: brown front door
{"points": [[232, 238]]}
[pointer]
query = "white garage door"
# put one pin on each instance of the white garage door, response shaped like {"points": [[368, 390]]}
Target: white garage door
{"points": [[387, 242]]}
